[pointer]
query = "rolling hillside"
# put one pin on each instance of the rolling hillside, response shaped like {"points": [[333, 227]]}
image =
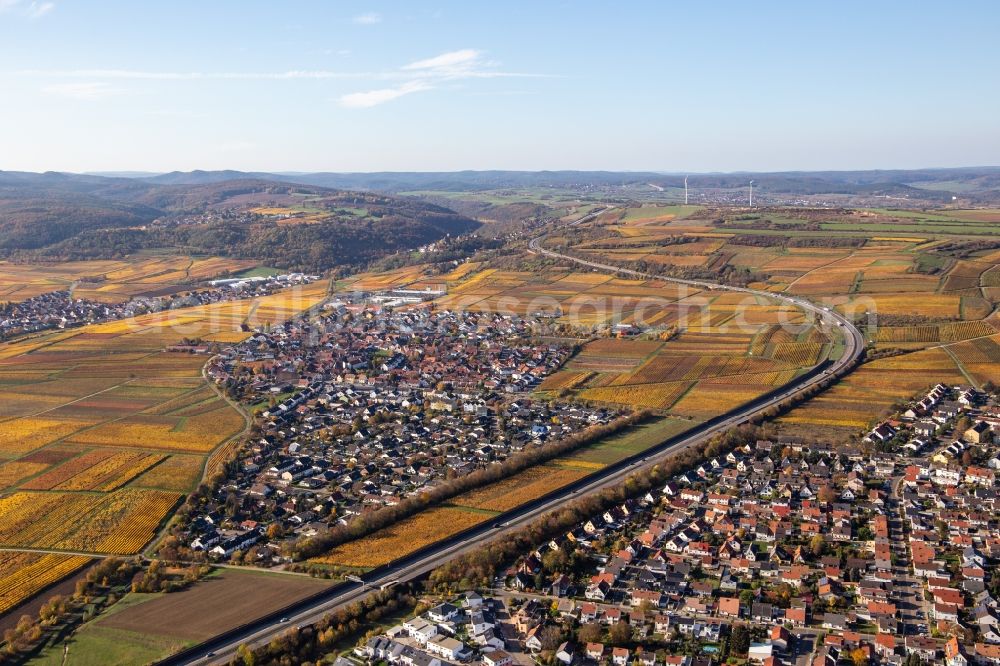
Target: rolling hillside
{"points": [[302, 227]]}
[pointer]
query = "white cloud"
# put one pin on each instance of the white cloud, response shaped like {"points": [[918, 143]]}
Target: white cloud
{"points": [[416, 76], [39, 9], [371, 18], [453, 61], [31, 10], [88, 91], [365, 100], [466, 63]]}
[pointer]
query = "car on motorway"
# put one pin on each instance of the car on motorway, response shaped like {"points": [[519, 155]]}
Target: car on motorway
{"points": [[283, 620]]}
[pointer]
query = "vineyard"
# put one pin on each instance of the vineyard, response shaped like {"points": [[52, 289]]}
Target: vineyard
{"points": [[113, 281], [707, 399], [700, 372], [868, 393], [651, 396], [13, 472], [179, 473], [22, 575], [119, 523], [798, 354], [523, 487], [99, 469], [103, 431], [947, 332], [196, 434], [564, 380], [404, 537], [24, 435]]}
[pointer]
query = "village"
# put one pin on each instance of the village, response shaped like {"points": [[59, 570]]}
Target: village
{"points": [[61, 310], [367, 406], [778, 552]]}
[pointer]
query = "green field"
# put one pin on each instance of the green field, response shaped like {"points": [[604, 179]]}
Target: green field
{"points": [[633, 441], [94, 645], [949, 227], [647, 212], [933, 216]]}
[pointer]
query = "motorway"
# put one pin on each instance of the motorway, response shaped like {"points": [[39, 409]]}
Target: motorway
{"points": [[222, 649]]}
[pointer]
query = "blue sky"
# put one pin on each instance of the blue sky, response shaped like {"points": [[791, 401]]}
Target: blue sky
{"points": [[366, 85]]}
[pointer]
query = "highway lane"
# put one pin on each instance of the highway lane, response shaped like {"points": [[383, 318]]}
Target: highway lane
{"points": [[223, 648]]}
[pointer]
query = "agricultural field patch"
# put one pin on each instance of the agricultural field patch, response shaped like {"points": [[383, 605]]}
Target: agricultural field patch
{"points": [[649, 396], [869, 392], [627, 443], [22, 575], [514, 491], [706, 400], [23, 435], [99, 470], [931, 306], [406, 536], [564, 379], [225, 600], [15, 471], [196, 434], [179, 473], [113, 281], [121, 522]]}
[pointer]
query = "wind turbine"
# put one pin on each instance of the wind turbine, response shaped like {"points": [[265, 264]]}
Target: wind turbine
{"points": [[685, 190], [751, 194]]}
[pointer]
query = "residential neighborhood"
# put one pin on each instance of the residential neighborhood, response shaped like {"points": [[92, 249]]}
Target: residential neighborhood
{"points": [[778, 552]]}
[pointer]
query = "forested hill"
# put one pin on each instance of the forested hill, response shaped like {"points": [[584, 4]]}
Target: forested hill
{"points": [[299, 227]]}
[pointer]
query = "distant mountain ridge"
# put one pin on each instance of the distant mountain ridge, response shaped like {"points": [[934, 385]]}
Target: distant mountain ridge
{"points": [[962, 180], [969, 180]]}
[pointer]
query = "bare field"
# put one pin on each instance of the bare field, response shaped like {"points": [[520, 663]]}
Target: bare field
{"points": [[223, 601]]}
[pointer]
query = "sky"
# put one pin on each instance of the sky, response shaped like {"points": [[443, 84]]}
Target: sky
{"points": [[363, 85]]}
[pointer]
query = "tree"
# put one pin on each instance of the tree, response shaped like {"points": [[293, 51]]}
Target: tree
{"points": [[859, 657], [246, 655], [620, 634], [590, 632], [740, 641], [550, 637]]}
